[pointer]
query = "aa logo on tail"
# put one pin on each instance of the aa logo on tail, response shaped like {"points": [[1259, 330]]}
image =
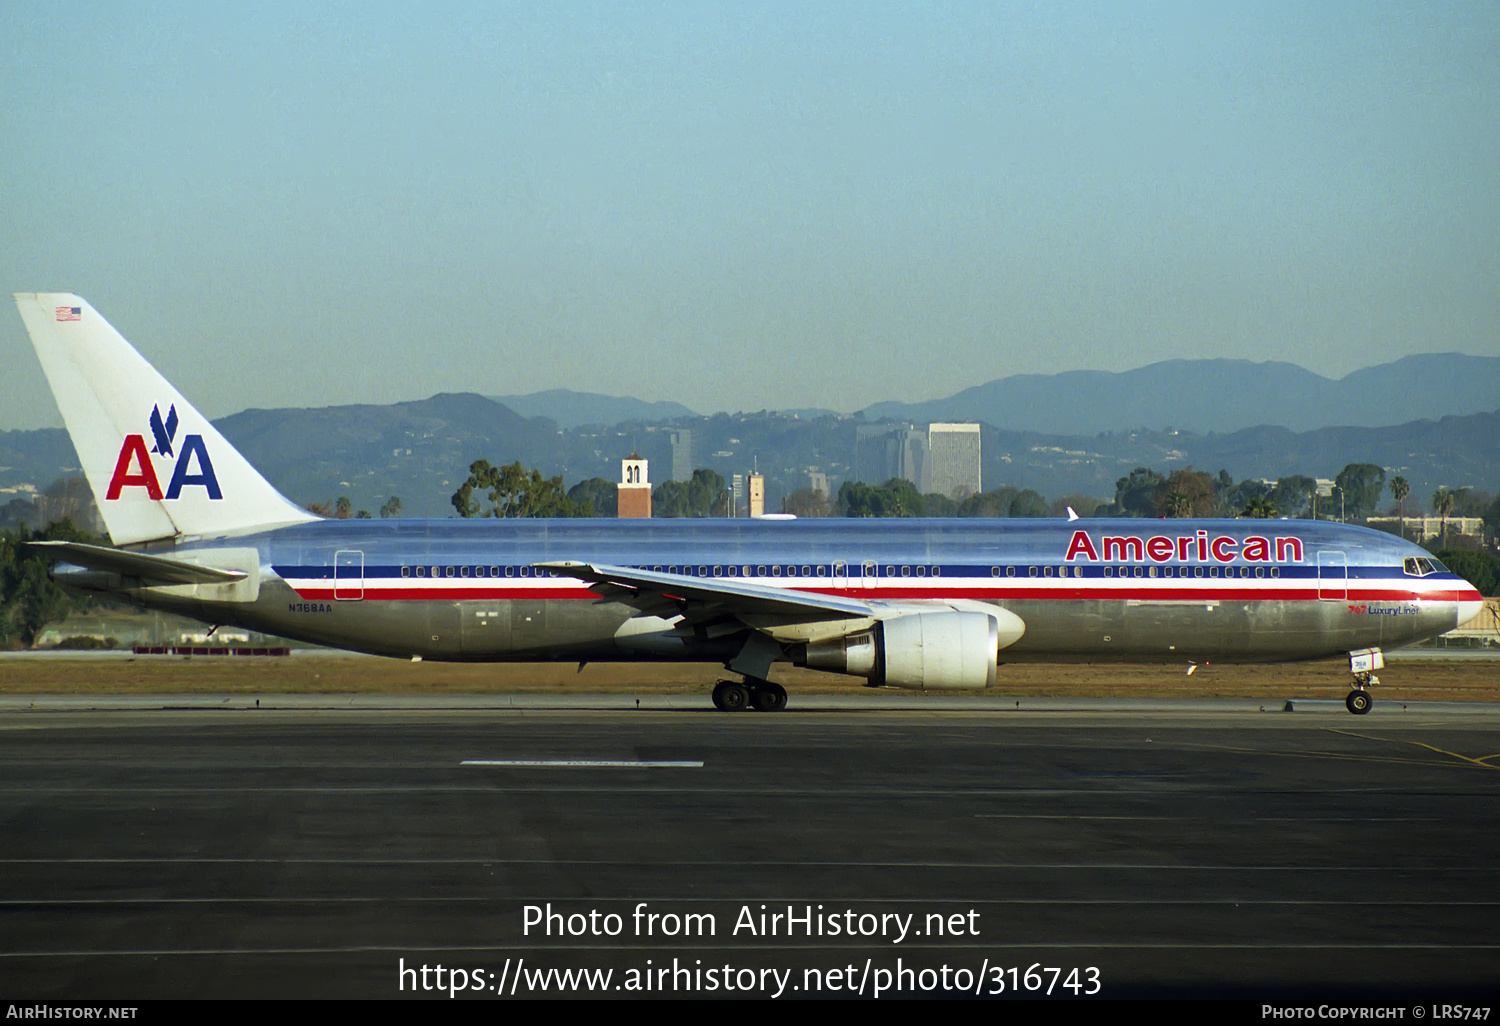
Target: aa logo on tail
{"points": [[135, 469]]}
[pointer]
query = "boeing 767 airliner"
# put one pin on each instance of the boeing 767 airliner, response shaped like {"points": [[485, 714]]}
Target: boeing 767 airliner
{"points": [[927, 604]]}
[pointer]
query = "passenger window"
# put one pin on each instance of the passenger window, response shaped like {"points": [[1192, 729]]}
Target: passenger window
{"points": [[462, 572], [937, 571], [525, 570], [995, 571], [807, 571], [1010, 571], [1260, 571], [1275, 571], [1109, 571], [1151, 571], [406, 571], [448, 572], [822, 571], [1047, 572], [1197, 571], [1213, 571], [1032, 572], [510, 571]]}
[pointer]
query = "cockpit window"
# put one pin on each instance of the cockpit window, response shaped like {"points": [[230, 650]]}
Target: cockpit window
{"points": [[1421, 566]]}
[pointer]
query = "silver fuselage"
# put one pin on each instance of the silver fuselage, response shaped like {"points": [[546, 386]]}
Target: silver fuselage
{"points": [[1129, 590]]}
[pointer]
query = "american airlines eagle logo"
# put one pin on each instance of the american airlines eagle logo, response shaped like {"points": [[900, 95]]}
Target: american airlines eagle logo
{"points": [[163, 432], [134, 468]]}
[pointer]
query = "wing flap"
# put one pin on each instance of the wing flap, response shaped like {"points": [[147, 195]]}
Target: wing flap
{"points": [[710, 600]]}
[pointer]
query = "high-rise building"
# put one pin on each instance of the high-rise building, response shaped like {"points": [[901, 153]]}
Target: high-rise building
{"points": [[682, 455], [942, 458], [952, 467], [757, 486], [884, 451]]}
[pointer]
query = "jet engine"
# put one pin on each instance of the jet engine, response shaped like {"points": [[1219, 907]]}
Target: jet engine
{"points": [[940, 650]]}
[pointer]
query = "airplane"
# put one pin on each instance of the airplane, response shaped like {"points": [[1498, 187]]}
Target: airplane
{"points": [[931, 604]]}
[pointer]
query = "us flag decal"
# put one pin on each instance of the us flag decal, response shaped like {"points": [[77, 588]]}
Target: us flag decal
{"points": [[70, 313]]}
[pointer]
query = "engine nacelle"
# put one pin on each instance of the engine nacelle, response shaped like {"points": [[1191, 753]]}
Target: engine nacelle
{"points": [[940, 650]]}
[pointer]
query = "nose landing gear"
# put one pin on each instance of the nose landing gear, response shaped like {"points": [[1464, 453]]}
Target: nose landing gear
{"points": [[1363, 663], [1358, 701]]}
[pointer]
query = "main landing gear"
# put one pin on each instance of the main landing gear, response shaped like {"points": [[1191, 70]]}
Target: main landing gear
{"points": [[1362, 663], [754, 693]]}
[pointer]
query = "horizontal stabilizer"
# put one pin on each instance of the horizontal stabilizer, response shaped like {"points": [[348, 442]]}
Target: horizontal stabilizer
{"points": [[138, 564]]}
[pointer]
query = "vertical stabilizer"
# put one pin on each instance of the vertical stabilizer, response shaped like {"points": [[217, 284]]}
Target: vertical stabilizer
{"points": [[157, 467]]}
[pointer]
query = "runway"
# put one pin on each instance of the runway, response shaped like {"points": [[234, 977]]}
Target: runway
{"points": [[1200, 850]]}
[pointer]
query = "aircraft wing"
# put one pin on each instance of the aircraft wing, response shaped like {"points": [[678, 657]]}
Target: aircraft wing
{"points": [[705, 601], [138, 564]]}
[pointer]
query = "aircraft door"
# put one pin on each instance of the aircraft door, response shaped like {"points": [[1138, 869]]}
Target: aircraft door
{"points": [[1333, 576], [348, 575], [867, 576], [840, 575]]}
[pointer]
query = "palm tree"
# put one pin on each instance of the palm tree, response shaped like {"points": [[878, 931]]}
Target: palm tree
{"points": [[1400, 489], [1259, 508], [1177, 504], [1442, 505]]}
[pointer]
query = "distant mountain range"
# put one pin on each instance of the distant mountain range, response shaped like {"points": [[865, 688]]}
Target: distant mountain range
{"points": [[1219, 396], [576, 409], [421, 450]]}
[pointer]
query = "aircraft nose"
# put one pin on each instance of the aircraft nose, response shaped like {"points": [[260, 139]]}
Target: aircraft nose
{"points": [[1469, 605]]}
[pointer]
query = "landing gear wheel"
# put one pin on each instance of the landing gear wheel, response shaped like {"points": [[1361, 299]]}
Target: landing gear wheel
{"points": [[769, 697], [731, 696], [1358, 702]]}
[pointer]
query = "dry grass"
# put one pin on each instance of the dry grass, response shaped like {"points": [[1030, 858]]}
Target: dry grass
{"points": [[1407, 680]]}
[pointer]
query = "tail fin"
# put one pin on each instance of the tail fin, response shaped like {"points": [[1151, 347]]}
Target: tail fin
{"points": [[157, 467]]}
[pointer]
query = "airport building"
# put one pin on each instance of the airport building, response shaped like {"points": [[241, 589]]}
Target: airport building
{"points": [[634, 489], [1424, 529]]}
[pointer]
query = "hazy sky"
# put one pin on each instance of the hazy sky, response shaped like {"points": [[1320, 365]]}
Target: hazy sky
{"points": [[744, 207]]}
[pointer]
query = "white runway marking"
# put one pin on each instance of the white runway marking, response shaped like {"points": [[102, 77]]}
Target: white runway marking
{"points": [[586, 763]]}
